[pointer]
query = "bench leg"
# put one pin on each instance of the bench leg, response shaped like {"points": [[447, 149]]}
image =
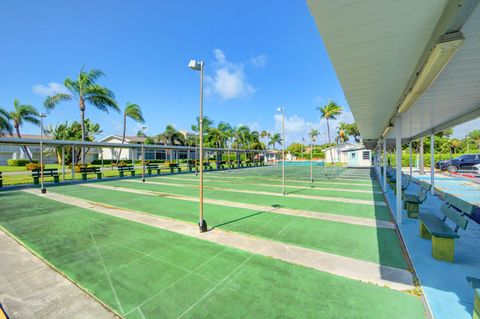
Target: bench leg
{"points": [[443, 248], [120, 173], [99, 175], [476, 307], [179, 169], [56, 179], [36, 180], [149, 171], [132, 173], [158, 171], [424, 232], [84, 177], [1, 183], [412, 209]]}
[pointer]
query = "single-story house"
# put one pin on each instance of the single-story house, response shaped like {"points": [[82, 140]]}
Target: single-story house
{"points": [[353, 154]]}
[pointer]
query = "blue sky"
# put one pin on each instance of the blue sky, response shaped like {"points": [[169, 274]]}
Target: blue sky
{"points": [[259, 55]]}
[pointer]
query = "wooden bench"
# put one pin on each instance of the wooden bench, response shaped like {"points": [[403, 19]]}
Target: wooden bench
{"points": [[90, 170], [126, 168], [475, 283], [442, 236], [47, 172], [412, 201], [151, 167], [1, 180]]}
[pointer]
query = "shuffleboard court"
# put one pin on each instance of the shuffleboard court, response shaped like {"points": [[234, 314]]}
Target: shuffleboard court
{"points": [[141, 271]]}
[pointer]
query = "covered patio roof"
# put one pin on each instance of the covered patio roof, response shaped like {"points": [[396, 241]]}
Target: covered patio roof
{"points": [[418, 60]]}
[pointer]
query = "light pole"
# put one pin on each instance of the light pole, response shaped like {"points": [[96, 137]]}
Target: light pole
{"points": [[42, 188], [282, 110], [311, 151], [199, 66], [143, 153]]}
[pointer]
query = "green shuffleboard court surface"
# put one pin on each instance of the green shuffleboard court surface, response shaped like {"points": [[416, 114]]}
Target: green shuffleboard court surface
{"points": [[378, 245], [144, 272], [323, 206]]}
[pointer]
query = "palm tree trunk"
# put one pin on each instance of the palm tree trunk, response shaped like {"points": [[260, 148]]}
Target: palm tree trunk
{"points": [[329, 141], [123, 136], [82, 119], [25, 149]]}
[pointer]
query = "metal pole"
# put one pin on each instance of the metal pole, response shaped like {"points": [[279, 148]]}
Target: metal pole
{"points": [[283, 151], [63, 163], [202, 224], [43, 190], [398, 161], [410, 146], [384, 165], [432, 163], [73, 162], [101, 169], [143, 160], [311, 158]]}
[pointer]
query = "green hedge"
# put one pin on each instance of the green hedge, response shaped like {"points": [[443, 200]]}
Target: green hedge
{"points": [[19, 162]]}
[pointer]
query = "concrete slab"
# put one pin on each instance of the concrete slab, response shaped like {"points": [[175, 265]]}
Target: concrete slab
{"points": [[32, 289]]}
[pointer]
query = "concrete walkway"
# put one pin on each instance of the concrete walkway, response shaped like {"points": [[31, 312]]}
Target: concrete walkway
{"points": [[32, 289], [312, 197], [285, 211], [398, 279]]}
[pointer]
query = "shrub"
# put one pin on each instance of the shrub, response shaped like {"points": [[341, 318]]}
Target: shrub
{"points": [[19, 162], [33, 166]]}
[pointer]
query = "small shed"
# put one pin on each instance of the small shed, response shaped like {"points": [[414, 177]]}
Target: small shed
{"points": [[359, 157]]}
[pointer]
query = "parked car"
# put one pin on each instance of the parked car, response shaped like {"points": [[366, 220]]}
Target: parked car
{"points": [[476, 168], [464, 162]]}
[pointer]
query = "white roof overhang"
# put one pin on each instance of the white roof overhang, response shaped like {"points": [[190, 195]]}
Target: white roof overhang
{"points": [[416, 59]]}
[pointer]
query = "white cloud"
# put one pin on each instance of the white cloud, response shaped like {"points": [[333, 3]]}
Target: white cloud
{"points": [[51, 88], [229, 80], [259, 61]]}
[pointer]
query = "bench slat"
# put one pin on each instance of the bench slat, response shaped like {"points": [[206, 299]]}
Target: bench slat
{"points": [[454, 216]]}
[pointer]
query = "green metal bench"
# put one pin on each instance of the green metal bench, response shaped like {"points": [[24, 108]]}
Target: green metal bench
{"points": [[442, 236], [90, 170], [475, 283], [47, 172], [176, 167], [412, 201], [151, 167], [1, 180], [126, 168]]}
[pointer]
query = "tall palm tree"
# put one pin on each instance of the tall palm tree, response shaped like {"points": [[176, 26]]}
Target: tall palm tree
{"points": [[330, 112], [134, 112], [85, 90], [5, 126], [314, 133], [23, 113], [275, 139]]}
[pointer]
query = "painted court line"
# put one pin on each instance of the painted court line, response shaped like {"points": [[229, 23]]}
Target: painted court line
{"points": [[341, 190], [312, 197], [284, 211], [318, 181], [395, 278]]}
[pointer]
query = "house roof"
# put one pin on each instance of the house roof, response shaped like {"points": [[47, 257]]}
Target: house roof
{"points": [[128, 138], [343, 147]]}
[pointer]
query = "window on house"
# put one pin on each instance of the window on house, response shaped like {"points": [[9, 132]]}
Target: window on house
{"points": [[366, 155], [353, 155]]}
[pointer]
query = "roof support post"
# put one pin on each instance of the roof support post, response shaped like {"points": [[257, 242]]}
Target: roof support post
{"points": [[422, 164], [410, 147], [384, 165], [432, 163], [398, 162]]}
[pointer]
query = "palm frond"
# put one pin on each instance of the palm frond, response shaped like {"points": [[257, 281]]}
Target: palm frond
{"points": [[52, 101], [134, 112]]}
